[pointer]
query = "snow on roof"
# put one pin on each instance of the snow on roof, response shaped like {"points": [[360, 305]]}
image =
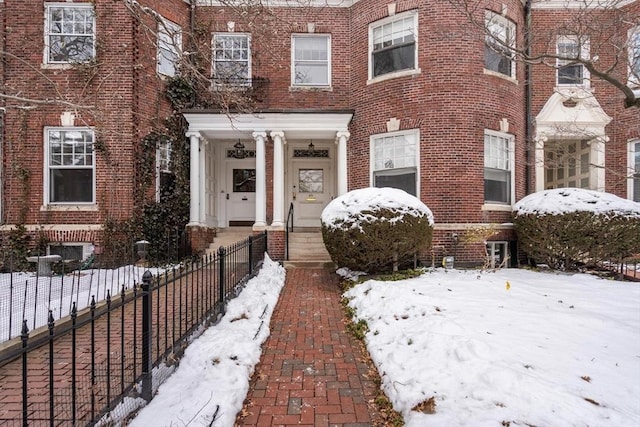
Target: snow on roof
{"points": [[354, 203], [566, 200]]}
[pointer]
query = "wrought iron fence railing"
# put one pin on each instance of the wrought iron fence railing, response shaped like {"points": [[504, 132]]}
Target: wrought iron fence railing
{"points": [[106, 359]]}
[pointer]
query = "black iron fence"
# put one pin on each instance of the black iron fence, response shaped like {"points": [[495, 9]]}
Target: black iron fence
{"points": [[102, 362]]}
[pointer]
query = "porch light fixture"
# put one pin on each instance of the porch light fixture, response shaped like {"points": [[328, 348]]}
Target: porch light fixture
{"points": [[239, 147], [311, 148]]}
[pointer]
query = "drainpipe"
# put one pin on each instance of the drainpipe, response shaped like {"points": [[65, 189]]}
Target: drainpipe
{"points": [[528, 129]]}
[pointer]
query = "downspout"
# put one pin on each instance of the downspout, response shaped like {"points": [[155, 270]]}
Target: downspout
{"points": [[528, 129]]}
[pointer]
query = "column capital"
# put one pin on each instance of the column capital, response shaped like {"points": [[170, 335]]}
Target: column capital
{"points": [[277, 134], [342, 135], [259, 135], [191, 134]]}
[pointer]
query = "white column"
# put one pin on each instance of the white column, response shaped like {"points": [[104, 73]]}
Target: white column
{"points": [[539, 162], [598, 160], [278, 179], [341, 140], [261, 180], [194, 181], [202, 185]]}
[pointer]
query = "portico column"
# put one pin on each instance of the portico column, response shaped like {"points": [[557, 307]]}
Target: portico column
{"points": [[278, 179], [261, 178], [540, 140], [202, 197], [341, 140], [194, 181]]}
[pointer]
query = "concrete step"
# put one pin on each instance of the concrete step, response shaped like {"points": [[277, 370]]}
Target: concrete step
{"points": [[307, 247], [228, 236]]}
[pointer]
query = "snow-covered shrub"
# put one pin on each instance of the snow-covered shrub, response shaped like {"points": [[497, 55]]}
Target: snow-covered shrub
{"points": [[368, 229], [568, 227]]}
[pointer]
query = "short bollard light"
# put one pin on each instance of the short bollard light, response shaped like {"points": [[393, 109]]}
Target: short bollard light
{"points": [[142, 247]]}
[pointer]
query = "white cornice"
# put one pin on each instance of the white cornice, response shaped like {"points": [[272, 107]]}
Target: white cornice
{"points": [[580, 4]]}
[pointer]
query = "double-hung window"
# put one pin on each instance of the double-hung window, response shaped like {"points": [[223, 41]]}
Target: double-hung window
{"points": [[498, 167], [311, 58], [169, 47], [633, 47], [395, 161], [570, 50], [69, 33], [500, 40], [70, 162], [392, 44], [165, 178], [231, 59], [634, 169]]}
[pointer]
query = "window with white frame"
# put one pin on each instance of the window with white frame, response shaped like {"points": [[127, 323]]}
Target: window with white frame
{"points": [[568, 164], [69, 33], [634, 170], [392, 44], [633, 47], [311, 59], [231, 59], [169, 47], [70, 163], [500, 40], [165, 178], [570, 49], [498, 167], [395, 161]]}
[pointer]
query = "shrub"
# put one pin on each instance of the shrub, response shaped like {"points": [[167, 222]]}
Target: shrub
{"points": [[568, 227], [372, 229]]}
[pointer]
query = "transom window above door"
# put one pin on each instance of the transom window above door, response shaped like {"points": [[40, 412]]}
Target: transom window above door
{"points": [[311, 60], [392, 45]]}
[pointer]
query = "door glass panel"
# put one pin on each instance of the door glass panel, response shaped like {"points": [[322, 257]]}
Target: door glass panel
{"points": [[244, 180], [311, 180]]}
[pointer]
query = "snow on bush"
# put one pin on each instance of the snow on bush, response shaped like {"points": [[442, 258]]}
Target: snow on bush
{"points": [[370, 229], [568, 227]]}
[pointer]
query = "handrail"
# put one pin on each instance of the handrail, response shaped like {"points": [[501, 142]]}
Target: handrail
{"points": [[286, 232]]}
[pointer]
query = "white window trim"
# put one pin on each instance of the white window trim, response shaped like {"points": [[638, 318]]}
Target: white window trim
{"points": [[45, 54], [372, 169], [631, 166], [293, 70], [507, 23], [585, 53], [62, 206], [633, 80], [249, 58], [87, 248], [170, 37], [395, 74], [504, 207]]}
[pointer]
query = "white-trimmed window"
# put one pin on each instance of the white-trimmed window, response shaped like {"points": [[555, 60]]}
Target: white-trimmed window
{"points": [[165, 178], [569, 50], [633, 47], [393, 44], [169, 47], [69, 33], [394, 160], [232, 59], [70, 166], [500, 40], [498, 167], [634, 170], [311, 60]]}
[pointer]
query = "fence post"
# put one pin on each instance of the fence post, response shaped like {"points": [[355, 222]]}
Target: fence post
{"points": [[147, 337], [25, 337], [51, 325], [221, 260], [250, 256]]}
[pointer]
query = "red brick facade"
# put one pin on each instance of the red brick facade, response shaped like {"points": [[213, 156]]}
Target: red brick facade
{"points": [[450, 101]]}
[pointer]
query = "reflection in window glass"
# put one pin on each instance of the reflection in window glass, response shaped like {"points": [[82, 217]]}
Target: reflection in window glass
{"points": [[244, 180], [311, 181]]}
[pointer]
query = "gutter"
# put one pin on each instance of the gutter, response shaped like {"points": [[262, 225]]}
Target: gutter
{"points": [[528, 129]]}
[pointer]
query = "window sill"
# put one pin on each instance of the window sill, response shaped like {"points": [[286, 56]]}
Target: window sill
{"points": [[296, 88], [58, 66], [500, 75], [496, 207], [397, 74], [69, 208]]}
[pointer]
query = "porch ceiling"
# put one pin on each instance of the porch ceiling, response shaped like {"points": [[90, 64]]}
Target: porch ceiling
{"points": [[319, 125]]}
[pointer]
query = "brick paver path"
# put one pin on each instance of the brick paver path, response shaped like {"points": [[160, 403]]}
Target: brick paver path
{"points": [[312, 371]]}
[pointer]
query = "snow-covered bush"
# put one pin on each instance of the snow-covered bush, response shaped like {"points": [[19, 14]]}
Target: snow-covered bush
{"points": [[568, 227], [371, 228]]}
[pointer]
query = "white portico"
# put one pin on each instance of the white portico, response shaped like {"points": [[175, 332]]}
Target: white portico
{"points": [[237, 161]]}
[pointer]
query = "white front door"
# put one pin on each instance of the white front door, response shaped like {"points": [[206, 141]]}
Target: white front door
{"points": [[241, 192], [312, 184]]}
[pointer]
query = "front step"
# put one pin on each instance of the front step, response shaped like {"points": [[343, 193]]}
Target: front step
{"points": [[228, 236], [309, 264], [308, 247]]}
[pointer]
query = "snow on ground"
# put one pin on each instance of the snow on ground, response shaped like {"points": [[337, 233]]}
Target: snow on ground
{"points": [[213, 376], [514, 346]]}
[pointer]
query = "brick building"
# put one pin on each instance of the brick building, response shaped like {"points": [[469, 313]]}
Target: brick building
{"points": [[406, 93]]}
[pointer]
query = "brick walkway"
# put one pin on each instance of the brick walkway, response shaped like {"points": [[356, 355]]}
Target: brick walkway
{"points": [[312, 371]]}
